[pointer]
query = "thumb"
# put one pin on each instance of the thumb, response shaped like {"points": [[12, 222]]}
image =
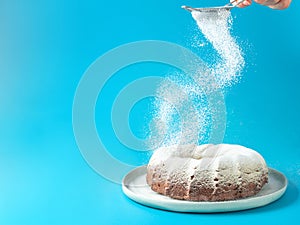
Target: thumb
{"points": [[242, 4]]}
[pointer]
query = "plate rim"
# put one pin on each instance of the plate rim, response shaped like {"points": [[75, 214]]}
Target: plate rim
{"points": [[203, 206]]}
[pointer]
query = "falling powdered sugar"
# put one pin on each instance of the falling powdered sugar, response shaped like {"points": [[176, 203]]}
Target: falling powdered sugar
{"points": [[180, 114], [215, 26], [183, 115]]}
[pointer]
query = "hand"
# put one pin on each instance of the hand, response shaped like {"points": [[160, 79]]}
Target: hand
{"points": [[273, 4]]}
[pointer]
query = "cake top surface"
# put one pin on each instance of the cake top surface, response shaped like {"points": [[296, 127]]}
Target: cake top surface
{"points": [[208, 157]]}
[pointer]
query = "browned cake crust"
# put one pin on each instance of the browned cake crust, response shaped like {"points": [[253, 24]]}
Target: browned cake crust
{"points": [[200, 191]]}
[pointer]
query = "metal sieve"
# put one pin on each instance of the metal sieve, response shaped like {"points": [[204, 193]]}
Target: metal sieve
{"points": [[228, 6]]}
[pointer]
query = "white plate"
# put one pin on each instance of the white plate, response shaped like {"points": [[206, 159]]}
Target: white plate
{"points": [[135, 187]]}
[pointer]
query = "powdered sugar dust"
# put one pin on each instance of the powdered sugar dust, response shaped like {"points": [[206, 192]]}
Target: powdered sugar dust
{"points": [[186, 114]]}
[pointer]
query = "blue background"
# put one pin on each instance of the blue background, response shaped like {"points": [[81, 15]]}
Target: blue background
{"points": [[45, 47]]}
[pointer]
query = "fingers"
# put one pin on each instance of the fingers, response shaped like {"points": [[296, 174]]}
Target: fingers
{"points": [[282, 4], [267, 2], [275, 4], [243, 4]]}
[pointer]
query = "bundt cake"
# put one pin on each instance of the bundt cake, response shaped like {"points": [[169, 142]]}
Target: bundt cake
{"points": [[206, 172]]}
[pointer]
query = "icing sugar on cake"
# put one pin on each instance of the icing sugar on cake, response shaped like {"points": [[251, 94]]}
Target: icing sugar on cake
{"points": [[207, 172]]}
